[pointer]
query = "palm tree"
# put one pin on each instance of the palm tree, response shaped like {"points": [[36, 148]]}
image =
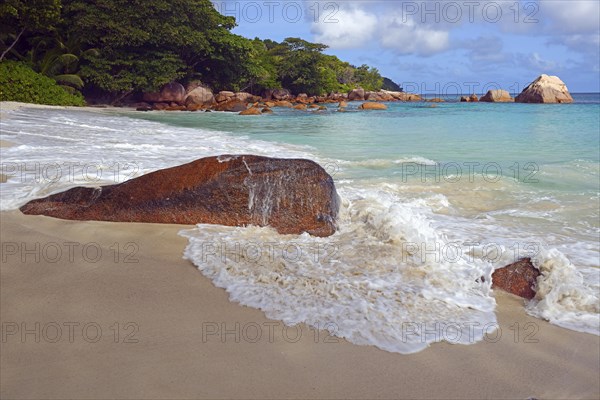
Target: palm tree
{"points": [[61, 62]]}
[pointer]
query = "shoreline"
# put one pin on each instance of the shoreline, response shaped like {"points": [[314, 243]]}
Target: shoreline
{"points": [[6, 107], [169, 342]]}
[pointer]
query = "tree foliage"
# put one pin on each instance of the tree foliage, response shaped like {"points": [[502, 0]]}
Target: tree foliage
{"points": [[25, 16], [124, 46], [18, 82]]}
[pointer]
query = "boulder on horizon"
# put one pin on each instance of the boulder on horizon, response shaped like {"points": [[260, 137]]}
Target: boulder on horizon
{"points": [[497, 96], [291, 195], [545, 89]]}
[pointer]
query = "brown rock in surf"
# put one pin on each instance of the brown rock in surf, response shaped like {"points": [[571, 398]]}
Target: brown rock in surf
{"points": [[518, 278], [291, 195]]}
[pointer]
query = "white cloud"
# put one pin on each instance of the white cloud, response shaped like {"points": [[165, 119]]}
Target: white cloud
{"points": [[354, 28], [535, 62], [486, 50], [574, 16], [583, 43], [405, 36]]}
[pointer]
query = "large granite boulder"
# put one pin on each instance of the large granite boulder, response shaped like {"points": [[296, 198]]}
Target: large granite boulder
{"points": [[518, 278], [200, 96], [291, 195], [171, 92], [356, 94], [497, 96], [545, 89]]}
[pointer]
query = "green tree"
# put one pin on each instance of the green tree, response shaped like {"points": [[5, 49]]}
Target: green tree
{"points": [[261, 68], [20, 16], [368, 78], [145, 43], [59, 59], [18, 82], [302, 68]]}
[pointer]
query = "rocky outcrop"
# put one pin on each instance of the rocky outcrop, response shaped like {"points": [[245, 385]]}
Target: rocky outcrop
{"points": [[171, 92], [402, 96], [338, 96], [224, 95], [232, 105], [246, 97], [497, 96], [519, 278], [470, 99], [251, 111], [291, 195], [200, 96], [356, 95], [277, 94], [142, 106], [194, 107], [372, 106], [545, 89], [283, 103], [160, 106]]}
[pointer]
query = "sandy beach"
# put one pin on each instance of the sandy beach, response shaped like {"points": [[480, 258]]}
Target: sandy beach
{"points": [[122, 315]]}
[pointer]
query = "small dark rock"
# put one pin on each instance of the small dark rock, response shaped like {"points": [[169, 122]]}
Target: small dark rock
{"points": [[519, 278]]}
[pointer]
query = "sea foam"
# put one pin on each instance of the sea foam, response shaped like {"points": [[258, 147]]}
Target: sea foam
{"points": [[365, 283]]}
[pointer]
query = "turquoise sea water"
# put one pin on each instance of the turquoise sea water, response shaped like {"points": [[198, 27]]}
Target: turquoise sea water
{"points": [[433, 199]]}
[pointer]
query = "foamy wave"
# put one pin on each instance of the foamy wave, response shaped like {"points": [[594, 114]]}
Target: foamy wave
{"points": [[566, 296], [364, 281]]}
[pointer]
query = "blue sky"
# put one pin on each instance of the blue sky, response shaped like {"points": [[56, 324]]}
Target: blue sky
{"points": [[442, 46]]}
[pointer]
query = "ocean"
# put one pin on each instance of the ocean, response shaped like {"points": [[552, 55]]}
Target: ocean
{"points": [[433, 199]]}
